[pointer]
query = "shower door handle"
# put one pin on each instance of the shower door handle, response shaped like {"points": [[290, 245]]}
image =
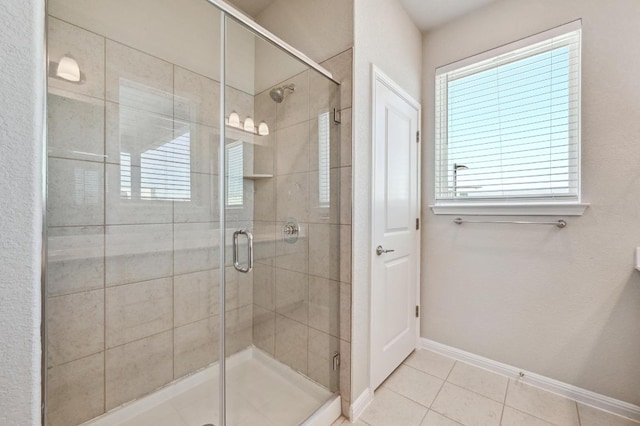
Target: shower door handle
{"points": [[380, 251], [236, 263]]}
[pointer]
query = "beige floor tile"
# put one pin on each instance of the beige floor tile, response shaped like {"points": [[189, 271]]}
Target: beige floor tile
{"points": [[542, 404], [480, 381], [513, 417], [358, 422], [413, 384], [431, 363], [390, 409], [434, 419], [590, 416], [466, 407], [343, 421]]}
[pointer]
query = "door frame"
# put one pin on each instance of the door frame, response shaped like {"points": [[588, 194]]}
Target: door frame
{"points": [[377, 75]]}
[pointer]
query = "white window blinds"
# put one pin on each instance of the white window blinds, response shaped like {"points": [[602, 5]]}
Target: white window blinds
{"points": [[508, 124], [155, 161]]}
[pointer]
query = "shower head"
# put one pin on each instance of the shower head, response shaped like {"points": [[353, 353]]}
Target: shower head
{"points": [[278, 93]]}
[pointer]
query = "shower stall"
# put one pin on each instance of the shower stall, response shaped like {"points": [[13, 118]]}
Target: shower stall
{"points": [[194, 271]]}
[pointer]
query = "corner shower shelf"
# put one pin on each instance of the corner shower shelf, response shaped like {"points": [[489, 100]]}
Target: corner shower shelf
{"points": [[240, 129], [257, 176], [239, 134]]}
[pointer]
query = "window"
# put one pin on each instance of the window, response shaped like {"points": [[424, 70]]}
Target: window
{"points": [[324, 156], [508, 126], [235, 177]]}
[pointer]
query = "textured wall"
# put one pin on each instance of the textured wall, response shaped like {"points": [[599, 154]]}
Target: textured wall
{"points": [[397, 52], [21, 126], [564, 304]]}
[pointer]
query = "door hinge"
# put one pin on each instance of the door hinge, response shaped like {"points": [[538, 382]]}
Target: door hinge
{"points": [[417, 223], [417, 311], [335, 364], [337, 116], [418, 136]]}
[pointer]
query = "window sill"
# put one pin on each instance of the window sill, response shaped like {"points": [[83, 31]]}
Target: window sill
{"points": [[524, 209]]}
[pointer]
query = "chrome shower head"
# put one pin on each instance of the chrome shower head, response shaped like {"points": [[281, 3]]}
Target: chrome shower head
{"points": [[278, 93]]}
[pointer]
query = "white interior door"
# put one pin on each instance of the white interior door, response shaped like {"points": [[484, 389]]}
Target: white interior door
{"points": [[395, 248]]}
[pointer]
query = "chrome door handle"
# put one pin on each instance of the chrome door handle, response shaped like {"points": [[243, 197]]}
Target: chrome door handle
{"points": [[380, 251], [236, 264]]}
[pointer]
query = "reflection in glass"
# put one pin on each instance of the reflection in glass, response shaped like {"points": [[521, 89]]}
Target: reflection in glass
{"points": [[87, 186], [154, 164], [235, 166], [324, 157]]}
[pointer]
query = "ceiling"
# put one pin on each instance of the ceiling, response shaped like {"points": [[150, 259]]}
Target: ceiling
{"points": [[428, 14], [251, 7]]}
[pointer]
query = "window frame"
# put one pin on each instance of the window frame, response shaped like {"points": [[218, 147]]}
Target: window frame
{"points": [[518, 205]]}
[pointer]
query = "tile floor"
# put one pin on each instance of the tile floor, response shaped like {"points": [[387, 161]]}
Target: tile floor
{"points": [[429, 389]]}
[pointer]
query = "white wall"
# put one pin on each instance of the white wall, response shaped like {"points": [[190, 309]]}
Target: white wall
{"points": [[319, 29], [21, 116], [561, 303], [385, 36]]}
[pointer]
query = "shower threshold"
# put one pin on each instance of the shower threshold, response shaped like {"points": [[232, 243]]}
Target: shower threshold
{"points": [[260, 391]]}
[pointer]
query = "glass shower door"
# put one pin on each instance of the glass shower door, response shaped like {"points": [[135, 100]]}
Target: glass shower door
{"points": [[177, 260], [282, 234]]}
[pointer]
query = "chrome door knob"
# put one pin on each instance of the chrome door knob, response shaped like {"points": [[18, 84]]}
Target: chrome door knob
{"points": [[380, 251]]}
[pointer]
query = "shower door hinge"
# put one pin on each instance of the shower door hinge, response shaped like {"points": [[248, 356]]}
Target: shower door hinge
{"points": [[418, 136], [417, 311], [337, 116], [336, 361], [417, 223]]}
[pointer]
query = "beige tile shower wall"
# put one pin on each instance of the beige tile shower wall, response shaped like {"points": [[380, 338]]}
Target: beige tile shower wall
{"points": [[302, 291], [132, 285]]}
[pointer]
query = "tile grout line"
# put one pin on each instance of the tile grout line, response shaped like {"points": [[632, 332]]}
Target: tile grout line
{"points": [[504, 401], [422, 371], [425, 415], [578, 413], [471, 390], [531, 415], [463, 388], [405, 397], [104, 226], [62, 364], [443, 383], [173, 233]]}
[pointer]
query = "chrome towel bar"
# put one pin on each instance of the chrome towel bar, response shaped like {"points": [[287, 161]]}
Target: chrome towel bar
{"points": [[560, 224]]}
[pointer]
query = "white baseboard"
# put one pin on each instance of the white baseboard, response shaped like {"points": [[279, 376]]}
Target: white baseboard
{"points": [[583, 396], [360, 404]]}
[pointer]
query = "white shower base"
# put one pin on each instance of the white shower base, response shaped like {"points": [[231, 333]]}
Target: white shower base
{"points": [[260, 391]]}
